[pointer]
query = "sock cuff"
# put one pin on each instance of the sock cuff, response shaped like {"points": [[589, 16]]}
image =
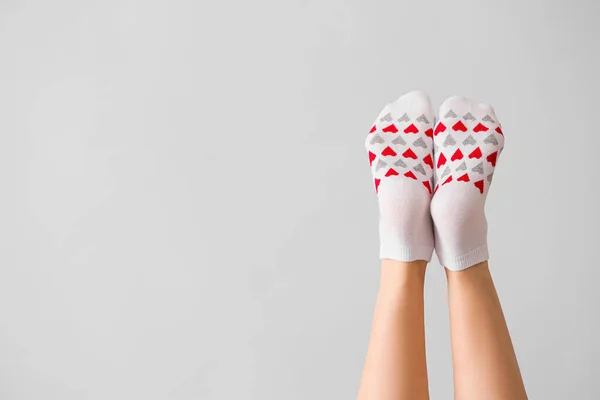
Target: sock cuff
{"points": [[406, 254], [464, 261]]}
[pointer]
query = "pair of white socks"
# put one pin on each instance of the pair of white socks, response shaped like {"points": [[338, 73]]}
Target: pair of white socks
{"points": [[432, 179]]}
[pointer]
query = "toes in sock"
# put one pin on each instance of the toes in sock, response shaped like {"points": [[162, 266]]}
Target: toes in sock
{"points": [[399, 145], [467, 142]]}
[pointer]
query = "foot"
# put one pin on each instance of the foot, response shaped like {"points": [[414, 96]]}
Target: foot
{"points": [[467, 142], [400, 145]]}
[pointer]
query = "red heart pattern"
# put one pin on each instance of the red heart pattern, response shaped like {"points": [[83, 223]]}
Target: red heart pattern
{"points": [[371, 158], [427, 185], [411, 175], [458, 155], [459, 126], [480, 128], [476, 153], [409, 154], [411, 129], [428, 160], [388, 151], [429, 132], [391, 172], [439, 128], [373, 129], [390, 128], [492, 158], [466, 144], [441, 160]]}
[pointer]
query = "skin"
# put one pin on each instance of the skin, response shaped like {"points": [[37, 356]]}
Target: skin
{"points": [[485, 366], [484, 361], [395, 366]]}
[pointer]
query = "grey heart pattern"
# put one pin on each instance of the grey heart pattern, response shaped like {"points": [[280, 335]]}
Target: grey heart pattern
{"points": [[469, 140], [462, 166], [420, 169], [450, 114], [400, 163], [449, 141], [469, 117], [420, 143], [404, 118], [380, 164], [487, 118], [491, 139], [377, 139], [422, 118], [445, 173], [478, 168], [386, 117], [489, 177], [399, 140]]}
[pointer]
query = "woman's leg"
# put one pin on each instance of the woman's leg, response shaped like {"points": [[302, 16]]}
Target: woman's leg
{"points": [[395, 367], [400, 149], [469, 139], [485, 366]]}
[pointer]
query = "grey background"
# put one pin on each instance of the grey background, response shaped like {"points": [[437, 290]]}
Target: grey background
{"points": [[187, 211]]}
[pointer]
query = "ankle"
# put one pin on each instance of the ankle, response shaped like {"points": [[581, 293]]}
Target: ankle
{"points": [[398, 275]]}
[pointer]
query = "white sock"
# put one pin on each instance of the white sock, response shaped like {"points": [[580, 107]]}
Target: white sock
{"points": [[467, 142], [400, 153]]}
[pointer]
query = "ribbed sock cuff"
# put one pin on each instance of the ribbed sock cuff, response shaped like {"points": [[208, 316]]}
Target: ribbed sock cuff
{"points": [[406, 254], [464, 261]]}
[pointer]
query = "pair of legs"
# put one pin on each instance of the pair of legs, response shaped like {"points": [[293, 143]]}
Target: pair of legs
{"points": [[485, 366], [432, 183]]}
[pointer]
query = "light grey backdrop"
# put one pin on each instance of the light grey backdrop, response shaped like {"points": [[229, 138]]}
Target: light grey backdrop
{"points": [[187, 211]]}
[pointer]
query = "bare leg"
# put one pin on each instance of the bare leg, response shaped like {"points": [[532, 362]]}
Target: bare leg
{"points": [[395, 366], [485, 365]]}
